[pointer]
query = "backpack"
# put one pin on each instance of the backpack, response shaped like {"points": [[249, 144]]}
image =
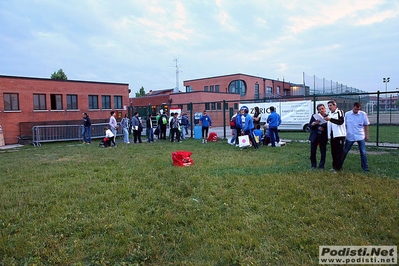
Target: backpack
{"points": [[233, 122], [164, 120]]}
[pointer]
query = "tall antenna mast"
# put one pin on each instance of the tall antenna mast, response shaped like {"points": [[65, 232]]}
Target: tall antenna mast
{"points": [[177, 89]]}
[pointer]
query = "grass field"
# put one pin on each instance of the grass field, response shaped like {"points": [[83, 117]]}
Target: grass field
{"points": [[72, 204]]}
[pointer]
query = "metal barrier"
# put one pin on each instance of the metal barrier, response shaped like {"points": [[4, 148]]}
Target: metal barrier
{"points": [[53, 133]]}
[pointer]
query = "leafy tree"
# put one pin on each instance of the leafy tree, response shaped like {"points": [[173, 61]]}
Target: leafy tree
{"points": [[59, 75], [141, 92]]}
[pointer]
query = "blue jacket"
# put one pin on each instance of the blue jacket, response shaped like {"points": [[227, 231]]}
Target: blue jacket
{"points": [[206, 121], [274, 119], [238, 121], [249, 123]]}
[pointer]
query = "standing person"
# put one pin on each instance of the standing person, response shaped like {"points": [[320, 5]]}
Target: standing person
{"points": [[125, 126], [336, 133], [257, 117], [162, 122], [233, 129], [113, 125], [357, 126], [86, 129], [174, 128], [249, 127], [318, 137], [206, 123], [150, 130], [136, 128], [158, 125], [239, 125], [184, 123], [274, 121]]}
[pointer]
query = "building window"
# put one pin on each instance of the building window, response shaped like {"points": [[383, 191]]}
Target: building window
{"points": [[117, 102], [11, 102], [219, 106], [217, 88], [226, 106], [256, 91], [269, 90], [106, 102], [188, 107], [72, 102], [205, 88], [56, 101], [278, 90], [211, 88], [213, 106], [93, 102], [207, 105], [236, 106], [39, 102], [189, 89], [238, 86]]}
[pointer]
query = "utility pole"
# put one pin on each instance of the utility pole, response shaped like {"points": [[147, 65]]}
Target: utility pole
{"points": [[177, 89]]}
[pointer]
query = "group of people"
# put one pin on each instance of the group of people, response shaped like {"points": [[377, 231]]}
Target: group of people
{"points": [[242, 123], [178, 128], [343, 130]]}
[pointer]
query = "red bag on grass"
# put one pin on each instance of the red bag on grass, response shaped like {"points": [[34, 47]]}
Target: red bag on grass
{"points": [[182, 158], [213, 137]]}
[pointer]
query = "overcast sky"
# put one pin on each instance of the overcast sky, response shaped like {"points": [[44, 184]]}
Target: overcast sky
{"points": [[355, 43]]}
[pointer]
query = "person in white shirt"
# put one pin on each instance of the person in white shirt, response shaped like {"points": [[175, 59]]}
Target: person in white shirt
{"points": [[109, 137], [336, 133], [357, 130]]}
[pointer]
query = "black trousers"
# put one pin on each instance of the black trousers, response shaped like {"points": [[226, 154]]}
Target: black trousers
{"points": [[313, 151], [337, 152], [174, 131]]}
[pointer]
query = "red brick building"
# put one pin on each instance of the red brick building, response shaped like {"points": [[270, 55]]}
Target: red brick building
{"points": [[26, 101], [211, 93]]}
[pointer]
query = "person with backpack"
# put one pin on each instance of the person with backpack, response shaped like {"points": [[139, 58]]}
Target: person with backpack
{"points": [[162, 122], [233, 128]]}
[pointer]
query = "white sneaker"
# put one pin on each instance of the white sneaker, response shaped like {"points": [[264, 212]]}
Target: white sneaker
{"points": [[203, 141], [278, 145]]}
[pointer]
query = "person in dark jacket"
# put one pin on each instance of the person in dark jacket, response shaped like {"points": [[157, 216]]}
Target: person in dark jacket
{"points": [[136, 125], [86, 129], [149, 129], [162, 122], [318, 137]]}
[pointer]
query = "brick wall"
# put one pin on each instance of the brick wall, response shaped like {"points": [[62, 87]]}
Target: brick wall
{"points": [[26, 87]]}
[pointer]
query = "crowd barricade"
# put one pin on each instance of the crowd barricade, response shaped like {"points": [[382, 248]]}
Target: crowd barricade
{"points": [[53, 133]]}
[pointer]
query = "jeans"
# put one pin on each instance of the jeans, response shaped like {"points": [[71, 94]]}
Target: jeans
{"points": [[233, 138], [362, 149], [84, 131], [182, 134], [150, 134], [126, 135]]}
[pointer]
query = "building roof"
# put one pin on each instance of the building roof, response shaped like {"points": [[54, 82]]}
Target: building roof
{"points": [[69, 80]]}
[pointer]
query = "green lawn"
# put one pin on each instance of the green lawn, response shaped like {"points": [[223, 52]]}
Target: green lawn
{"points": [[66, 203]]}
